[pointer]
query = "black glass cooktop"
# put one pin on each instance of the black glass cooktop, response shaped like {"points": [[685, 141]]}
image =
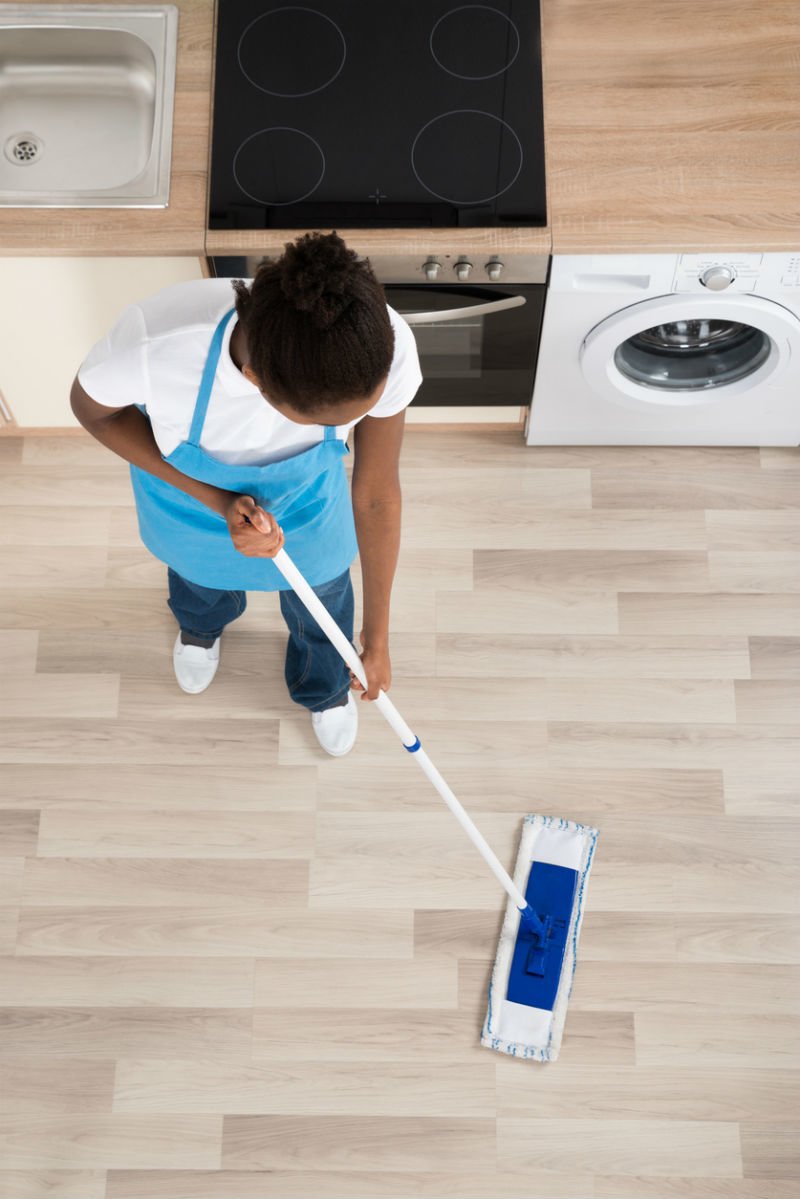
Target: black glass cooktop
{"points": [[358, 113]]}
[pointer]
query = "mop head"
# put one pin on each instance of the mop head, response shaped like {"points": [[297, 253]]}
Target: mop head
{"points": [[533, 970]]}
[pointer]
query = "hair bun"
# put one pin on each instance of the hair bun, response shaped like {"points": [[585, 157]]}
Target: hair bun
{"points": [[316, 275]]}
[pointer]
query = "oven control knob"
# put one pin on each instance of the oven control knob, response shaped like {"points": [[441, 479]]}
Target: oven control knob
{"points": [[717, 278], [463, 270], [431, 269], [494, 270]]}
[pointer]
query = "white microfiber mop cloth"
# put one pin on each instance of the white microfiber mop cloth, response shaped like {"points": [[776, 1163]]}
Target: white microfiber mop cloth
{"points": [[516, 1028]]}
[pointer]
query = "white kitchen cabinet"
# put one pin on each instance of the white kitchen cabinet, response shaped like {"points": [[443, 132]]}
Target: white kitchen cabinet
{"points": [[53, 310]]}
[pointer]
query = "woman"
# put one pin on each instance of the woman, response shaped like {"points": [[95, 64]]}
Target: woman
{"points": [[234, 421]]}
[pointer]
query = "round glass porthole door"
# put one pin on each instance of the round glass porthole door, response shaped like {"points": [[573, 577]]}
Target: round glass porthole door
{"points": [[691, 355]]}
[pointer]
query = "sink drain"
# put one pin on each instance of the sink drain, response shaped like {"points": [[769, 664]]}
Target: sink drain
{"points": [[23, 148]]}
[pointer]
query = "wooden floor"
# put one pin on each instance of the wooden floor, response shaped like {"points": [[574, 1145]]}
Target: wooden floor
{"points": [[235, 969]]}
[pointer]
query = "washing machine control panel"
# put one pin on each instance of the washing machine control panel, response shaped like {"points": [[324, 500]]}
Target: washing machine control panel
{"points": [[736, 272], [790, 275]]}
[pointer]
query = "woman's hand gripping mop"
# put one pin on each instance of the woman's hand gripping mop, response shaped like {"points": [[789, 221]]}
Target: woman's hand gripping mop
{"points": [[535, 962]]}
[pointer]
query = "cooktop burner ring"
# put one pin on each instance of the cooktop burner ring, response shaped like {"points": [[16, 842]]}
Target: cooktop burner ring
{"points": [[453, 145], [328, 32], [306, 167], [475, 40]]}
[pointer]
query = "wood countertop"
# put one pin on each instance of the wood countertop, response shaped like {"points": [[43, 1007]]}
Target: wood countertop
{"points": [[669, 126], [672, 125], [176, 230]]}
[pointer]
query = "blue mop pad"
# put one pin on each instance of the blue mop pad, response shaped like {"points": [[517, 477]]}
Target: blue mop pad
{"points": [[535, 963]]}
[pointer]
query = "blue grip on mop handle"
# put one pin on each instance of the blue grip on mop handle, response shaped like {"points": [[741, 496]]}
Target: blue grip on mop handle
{"points": [[412, 749], [530, 921]]}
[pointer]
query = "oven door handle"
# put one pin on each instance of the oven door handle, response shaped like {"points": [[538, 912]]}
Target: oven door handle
{"points": [[459, 314]]}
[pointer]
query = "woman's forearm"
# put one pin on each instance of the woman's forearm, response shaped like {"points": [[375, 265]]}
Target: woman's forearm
{"points": [[128, 433], [378, 531]]}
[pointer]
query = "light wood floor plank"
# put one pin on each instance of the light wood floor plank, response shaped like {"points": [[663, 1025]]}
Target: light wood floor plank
{"points": [[149, 882], [106, 1141], [9, 922], [771, 1149], [529, 571], [771, 791], [566, 657], [753, 531], [75, 451], [51, 566], [698, 614], [346, 1184], [664, 1093], [64, 527], [34, 485], [39, 1085], [11, 449], [735, 487], [766, 701], [47, 696], [107, 742], [251, 930], [12, 870], [18, 650], [618, 1186], [705, 746], [555, 610], [719, 1038], [775, 657], [202, 833], [302, 1089], [163, 787], [706, 1148], [521, 524], [654, 987], [336, 983], [764, 887], [55, 1184], [143, 1029], [362, 1034], [350, 786], [371, 1142], [110, 981], [569, 699], [740, 571]]}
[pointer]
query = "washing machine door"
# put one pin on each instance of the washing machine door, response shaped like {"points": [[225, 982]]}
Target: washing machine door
{"points": [[689, 350]]}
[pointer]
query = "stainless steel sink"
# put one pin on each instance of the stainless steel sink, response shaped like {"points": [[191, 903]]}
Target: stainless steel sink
{"points": [[86, 98]]}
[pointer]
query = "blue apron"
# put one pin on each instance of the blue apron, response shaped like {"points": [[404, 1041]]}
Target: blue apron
{"points": [[307, 494]]}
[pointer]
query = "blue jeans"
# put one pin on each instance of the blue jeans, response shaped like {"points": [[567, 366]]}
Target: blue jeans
{"points": [[316, 676]]}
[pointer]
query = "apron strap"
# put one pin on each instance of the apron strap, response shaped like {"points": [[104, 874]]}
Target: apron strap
{"points": [[207, 380], [330, 433]]}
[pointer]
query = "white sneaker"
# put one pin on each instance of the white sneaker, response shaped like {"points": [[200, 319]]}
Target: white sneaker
{"points": [[195, 666], [336, 728]]}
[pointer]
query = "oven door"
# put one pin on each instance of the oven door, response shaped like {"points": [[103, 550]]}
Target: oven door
{"points": [[477, 345]]}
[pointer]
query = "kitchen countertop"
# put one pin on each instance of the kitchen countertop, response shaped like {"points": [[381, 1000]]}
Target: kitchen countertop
{"points": [[176, 230], [672, 125], [668, 126]]}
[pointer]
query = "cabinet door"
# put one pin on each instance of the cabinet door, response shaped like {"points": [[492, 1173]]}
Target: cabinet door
{"points": [[53, 310]]}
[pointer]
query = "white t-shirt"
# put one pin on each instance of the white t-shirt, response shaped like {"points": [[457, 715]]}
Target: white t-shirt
{"points": [[154, 356]]}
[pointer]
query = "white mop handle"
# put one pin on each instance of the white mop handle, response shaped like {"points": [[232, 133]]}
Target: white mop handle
{"points": [[393, 717]]}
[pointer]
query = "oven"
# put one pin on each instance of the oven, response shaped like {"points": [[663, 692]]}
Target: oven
{"points": [[476, 319]]}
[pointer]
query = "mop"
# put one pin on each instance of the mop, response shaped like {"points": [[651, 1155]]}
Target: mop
{"points": [[536, 956]]}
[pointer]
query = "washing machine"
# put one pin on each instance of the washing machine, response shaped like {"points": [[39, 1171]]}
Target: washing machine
{"points": [[669, 349]]}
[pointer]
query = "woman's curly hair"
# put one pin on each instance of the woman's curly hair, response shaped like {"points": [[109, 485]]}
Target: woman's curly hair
{"points": [[317, 327]]}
